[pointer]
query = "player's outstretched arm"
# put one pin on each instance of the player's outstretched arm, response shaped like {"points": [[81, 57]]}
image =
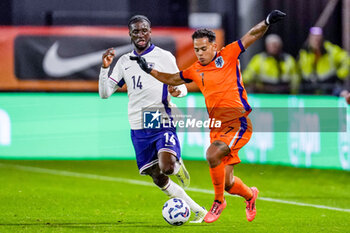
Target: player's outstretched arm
{"points": [[170, 79], [259, 30]]}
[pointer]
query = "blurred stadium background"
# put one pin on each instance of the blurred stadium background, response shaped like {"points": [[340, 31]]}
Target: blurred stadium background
{"points": [[52, 111]]}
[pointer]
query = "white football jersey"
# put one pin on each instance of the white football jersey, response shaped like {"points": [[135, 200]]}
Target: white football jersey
{"points": [[144, 91]]}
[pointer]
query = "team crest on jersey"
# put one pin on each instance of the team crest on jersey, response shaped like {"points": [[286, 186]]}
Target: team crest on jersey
{"points": [[219, 62]]}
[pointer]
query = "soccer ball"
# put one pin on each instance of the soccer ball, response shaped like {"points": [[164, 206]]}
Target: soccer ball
{"points": [[176, 211]]}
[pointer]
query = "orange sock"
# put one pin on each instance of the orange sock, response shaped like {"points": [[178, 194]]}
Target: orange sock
{"points": [[241, 189], [218, 178]]}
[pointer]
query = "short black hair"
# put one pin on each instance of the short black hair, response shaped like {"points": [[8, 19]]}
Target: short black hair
{"points": [[137, 18], [201, 33]]}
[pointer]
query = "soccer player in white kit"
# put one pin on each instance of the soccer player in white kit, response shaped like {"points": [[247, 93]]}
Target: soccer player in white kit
{"points": [[157, 150]]}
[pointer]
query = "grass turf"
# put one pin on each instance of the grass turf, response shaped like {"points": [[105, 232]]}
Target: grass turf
{"points": [[32, 201]]}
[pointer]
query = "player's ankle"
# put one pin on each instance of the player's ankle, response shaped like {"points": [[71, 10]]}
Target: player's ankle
{"points": [[251, 195], [219, 200]]}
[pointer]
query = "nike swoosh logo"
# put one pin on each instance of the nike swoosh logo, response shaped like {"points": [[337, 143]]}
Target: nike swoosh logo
{"points": [[56, 66], [127, 67]]}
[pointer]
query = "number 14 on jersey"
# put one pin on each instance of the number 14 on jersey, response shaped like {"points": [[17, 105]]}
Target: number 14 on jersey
{"points": [[138, 83]]}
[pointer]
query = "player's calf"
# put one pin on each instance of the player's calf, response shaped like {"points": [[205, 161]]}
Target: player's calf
{"points": [[158, 178], [169, 165]]}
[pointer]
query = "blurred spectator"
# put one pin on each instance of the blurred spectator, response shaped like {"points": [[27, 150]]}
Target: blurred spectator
{"points": [[272, 71], [323, 65]]}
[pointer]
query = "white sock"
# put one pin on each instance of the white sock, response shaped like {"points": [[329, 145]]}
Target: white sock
{"points": [[173, 190]]}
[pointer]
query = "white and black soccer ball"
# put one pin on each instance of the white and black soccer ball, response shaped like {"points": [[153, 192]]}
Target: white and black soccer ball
{"points": [[176, 211]]}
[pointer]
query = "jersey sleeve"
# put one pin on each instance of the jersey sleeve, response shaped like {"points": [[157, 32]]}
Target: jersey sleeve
{"points": [[107, 85], [233, 50], [187, 74]]}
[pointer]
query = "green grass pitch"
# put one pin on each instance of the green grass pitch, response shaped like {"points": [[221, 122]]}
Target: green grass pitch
{"points": [[105, 196]]}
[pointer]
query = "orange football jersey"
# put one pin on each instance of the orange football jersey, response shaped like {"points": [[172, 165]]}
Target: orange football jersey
{"points": [[221, 84]]}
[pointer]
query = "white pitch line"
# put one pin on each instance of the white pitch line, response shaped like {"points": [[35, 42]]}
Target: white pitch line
{"points": [[76, 174], [145, 183]]}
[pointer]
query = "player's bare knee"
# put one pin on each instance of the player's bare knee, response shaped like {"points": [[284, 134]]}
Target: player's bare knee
{"points": [[216, 151], [212, 159]]}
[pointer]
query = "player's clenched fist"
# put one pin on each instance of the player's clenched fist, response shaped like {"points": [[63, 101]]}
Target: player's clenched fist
{"points": [[107, 57], [174, 91]]}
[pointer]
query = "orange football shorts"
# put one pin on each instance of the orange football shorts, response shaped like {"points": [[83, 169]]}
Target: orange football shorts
{"points": [[235, 134]]}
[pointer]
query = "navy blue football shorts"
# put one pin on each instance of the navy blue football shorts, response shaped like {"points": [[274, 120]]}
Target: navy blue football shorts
{"points": [[149, 142]]}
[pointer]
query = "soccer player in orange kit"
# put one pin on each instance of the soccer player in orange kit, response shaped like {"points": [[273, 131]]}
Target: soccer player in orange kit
{"points": [[218, 76]]}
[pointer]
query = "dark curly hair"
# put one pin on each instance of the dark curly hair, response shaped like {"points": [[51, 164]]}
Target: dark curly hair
{"points": [[201, 33], [137, 18]]}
